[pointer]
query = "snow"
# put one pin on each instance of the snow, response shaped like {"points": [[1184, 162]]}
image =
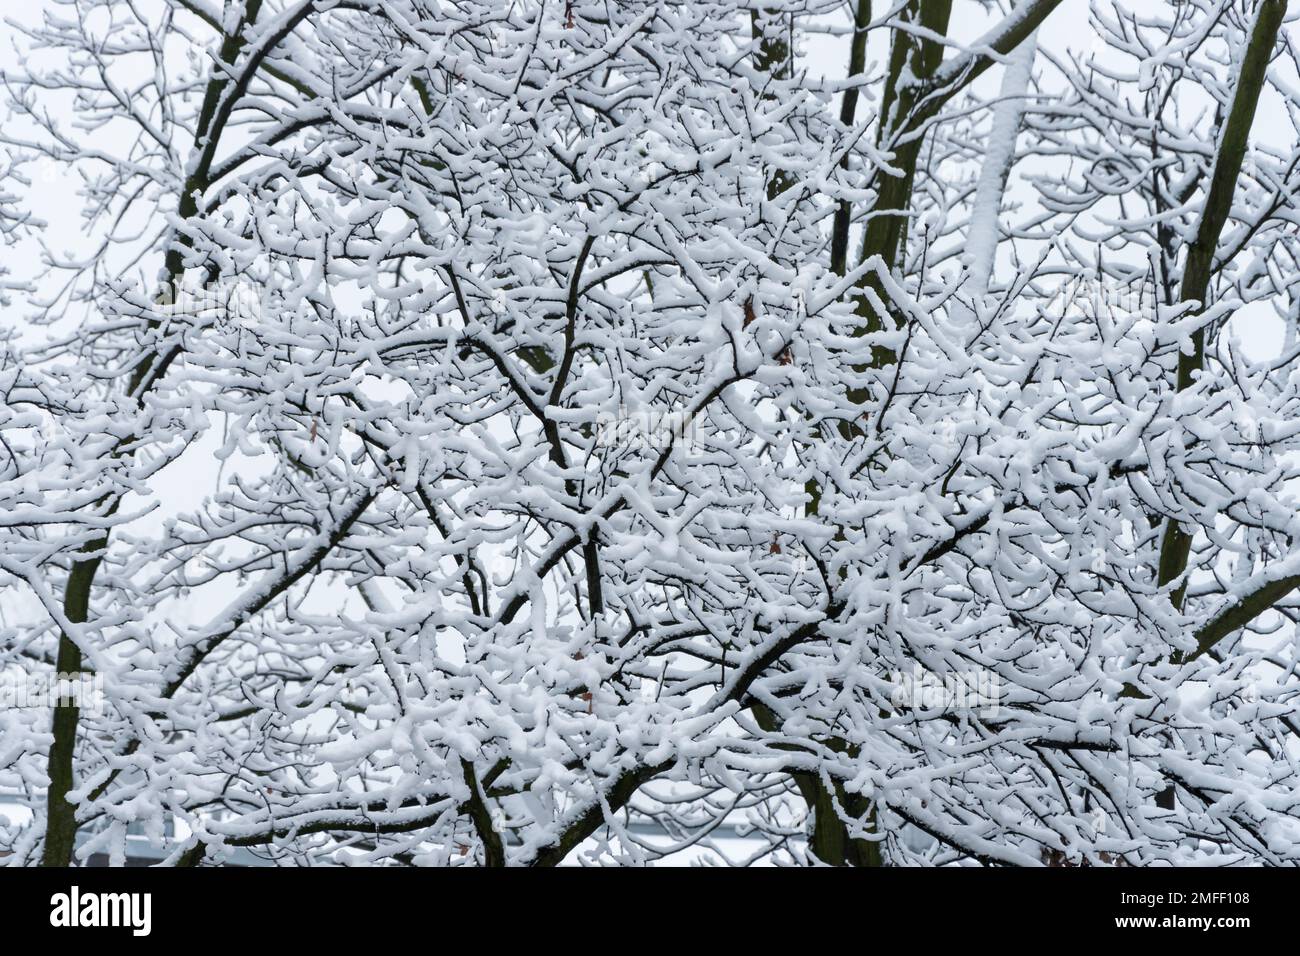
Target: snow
{"points": [[551, 499]]}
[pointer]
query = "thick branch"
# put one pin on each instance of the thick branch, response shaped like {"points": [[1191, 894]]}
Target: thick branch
{"points": [[1176, 544]]}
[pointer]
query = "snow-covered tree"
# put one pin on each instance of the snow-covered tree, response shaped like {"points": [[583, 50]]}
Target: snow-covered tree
{"points": [[471, 431]]}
